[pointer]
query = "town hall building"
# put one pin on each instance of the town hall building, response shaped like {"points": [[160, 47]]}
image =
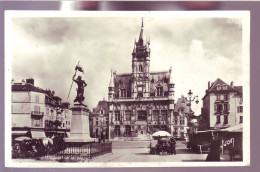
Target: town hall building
{"points": [[140, 102]]}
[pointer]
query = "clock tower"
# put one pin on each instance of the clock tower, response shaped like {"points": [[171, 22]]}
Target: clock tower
{"points": [[141, 67]]}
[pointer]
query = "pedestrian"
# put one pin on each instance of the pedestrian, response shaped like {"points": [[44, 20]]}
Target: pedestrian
{"points": [[214, 152], [173, 146]]}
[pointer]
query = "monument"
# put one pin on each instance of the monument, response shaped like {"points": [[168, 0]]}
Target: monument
{"points": [[79, 132]]}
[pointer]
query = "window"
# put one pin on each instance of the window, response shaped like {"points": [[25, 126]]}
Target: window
{"points": [[239, 109], [128, 130], [155, 115], [219, 107], [241, 119], [101, 111], [123, 93], [164, 115], [96, 121], [140, 68], [218, 119], [117, 116], [159, 91], [226, 107], [218, 96], [218, 87], [96, 132], [224, 87], [128, 115], [142, 115], [106, 120], [225, 96], [117, 130], [225, 119]]}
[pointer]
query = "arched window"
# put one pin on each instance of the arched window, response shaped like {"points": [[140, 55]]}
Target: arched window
{"points": [[140, 68]]}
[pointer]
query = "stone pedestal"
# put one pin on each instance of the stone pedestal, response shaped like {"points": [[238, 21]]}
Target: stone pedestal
{"points": [[79, 132]]}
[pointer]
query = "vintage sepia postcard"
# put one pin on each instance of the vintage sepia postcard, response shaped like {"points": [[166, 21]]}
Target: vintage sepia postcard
{"points": [[127, 89]]}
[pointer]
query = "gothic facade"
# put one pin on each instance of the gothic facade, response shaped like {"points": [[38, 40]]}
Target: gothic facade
{"points": [[140, 102]]}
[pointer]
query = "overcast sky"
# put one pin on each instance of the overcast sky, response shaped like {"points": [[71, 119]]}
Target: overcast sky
{"points": [[199, 50]]}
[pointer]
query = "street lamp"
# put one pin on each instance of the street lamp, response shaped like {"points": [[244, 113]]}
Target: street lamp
{"points": [[191, 98]]}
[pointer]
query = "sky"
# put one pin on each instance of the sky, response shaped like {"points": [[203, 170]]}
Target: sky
{"points": [[198, 49]]}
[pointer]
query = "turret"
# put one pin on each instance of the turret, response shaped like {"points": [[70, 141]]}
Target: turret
{"points": [[111, 88], [171, 90]]}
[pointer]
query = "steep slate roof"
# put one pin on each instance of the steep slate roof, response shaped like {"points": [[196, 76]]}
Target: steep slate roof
{"points": [[213, 88], [156, 79], [101, 105], [182, 104]]}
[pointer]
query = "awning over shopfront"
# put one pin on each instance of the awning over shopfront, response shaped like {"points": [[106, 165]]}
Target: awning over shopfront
{"points": [[38, 134], [235, 128], [19, 133]]}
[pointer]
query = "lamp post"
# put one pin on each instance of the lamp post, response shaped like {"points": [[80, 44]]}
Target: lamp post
{"points": [[191, 98]]}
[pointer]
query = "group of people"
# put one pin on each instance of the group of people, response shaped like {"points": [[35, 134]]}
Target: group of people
{"points": [[36, 147], [166, 145]]}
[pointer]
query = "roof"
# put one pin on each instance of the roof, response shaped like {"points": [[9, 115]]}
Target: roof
{"points": [[124, 81], [26, 87], [219, 82], [101, 105], [182, 103]]}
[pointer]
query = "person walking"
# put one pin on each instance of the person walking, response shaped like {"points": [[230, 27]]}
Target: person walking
{"points": [[214, 152]]}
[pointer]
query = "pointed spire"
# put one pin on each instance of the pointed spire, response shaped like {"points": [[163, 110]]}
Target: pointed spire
{"points": [[141, 39], [111, 84]]}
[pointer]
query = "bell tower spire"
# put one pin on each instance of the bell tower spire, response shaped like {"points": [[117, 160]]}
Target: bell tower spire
{"points": [[141, 66]]}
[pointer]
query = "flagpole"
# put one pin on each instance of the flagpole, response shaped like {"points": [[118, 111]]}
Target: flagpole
{"points": [[72, 81]]}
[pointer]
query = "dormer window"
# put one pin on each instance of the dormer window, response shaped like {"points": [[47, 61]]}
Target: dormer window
{"points": [[101, 111], [224, 87], [159, 91], [123, 92], [218, 87]]}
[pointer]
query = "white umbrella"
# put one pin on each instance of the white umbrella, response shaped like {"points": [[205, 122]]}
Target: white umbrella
{"points": [[161, 134], [22, 138]]}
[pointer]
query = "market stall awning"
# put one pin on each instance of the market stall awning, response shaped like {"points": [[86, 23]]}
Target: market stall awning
{"points": [[19, 133], [38, 134], [235, 128]]}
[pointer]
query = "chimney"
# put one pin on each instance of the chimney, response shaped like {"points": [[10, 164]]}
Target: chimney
{"points": [[231, 84], [30, 81], [208, 84], [23, 82]]}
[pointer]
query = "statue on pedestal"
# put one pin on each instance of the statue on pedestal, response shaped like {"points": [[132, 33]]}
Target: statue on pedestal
{"points": [[80, 90], [81, 85]]}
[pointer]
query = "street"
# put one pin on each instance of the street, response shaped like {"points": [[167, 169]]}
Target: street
{"points": [[137, 151]]}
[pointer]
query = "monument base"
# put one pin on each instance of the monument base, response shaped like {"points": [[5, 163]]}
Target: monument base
{"points": [[79, 125]]}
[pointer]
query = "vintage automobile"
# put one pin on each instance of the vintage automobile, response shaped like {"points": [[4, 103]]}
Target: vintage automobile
{"points": [[162, 144]]}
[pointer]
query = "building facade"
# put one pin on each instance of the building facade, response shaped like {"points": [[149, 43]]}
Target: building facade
{"points": [[222, 105], [99, 124], [37, 113], [182, 116], [140, 102]]}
